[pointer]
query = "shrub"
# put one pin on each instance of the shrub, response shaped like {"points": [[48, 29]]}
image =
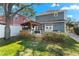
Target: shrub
{"points": [[55, 49], [54, 37], [76, 30], [26, 35]]}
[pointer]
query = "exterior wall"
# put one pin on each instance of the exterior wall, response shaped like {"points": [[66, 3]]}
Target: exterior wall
{"points": [[50, 17], [59, 27], [15, 30], [19, 19], [55, 27], [2, 31]]}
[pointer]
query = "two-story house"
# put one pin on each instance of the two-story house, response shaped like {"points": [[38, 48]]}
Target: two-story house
{"points": [[52, 20]]}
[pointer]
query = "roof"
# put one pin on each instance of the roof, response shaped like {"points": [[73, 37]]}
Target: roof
{"points": [[50, 12], [34, 23]]}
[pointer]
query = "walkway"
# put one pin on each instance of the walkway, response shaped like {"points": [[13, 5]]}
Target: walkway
{"points": [[74, 36]]}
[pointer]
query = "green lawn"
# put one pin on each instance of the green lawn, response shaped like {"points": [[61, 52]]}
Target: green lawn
{"points": [[27, 47]]}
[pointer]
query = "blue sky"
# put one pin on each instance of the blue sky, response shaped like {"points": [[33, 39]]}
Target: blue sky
{"points": [[72, 9]]}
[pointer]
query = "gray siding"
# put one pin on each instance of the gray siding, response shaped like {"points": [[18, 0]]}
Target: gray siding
{"points": [[50, 17], [56, 26], [59, 27]]}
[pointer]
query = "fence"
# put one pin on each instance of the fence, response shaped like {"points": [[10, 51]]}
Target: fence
{"points": [[15, 30]]}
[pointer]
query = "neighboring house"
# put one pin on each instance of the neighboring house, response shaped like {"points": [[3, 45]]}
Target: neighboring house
{"points": [[2, 20], [15, 26], [17, 20], [52, 20]]}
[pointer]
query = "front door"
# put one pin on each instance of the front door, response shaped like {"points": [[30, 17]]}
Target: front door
{"points": [[49, 28]]}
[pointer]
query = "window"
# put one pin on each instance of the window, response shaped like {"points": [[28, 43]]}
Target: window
{"points": [[16, 17], [50, 27], [55, 14], [46, 27]]}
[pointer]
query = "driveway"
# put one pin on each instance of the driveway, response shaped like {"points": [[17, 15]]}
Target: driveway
{"points": [[74, 36]]}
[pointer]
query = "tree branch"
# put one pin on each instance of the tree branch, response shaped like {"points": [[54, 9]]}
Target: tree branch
{"points": [[21, 9]]}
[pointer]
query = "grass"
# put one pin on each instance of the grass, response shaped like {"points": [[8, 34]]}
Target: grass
{"points": [[26, 47], [10, 48]]}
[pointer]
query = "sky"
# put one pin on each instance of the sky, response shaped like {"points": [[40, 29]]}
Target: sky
{"points": [[72, 9]]}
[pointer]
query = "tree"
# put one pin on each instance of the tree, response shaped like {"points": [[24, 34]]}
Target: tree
{"points": [[70, 24], [9, 14]]}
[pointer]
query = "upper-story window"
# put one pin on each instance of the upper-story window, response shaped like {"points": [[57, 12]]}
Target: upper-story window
{"points": [[55, 14], [16, 17]]}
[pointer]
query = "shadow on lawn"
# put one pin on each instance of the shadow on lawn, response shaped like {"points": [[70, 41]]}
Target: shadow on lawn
{"points": [[6, 42], [38, 45], [34, 44]]}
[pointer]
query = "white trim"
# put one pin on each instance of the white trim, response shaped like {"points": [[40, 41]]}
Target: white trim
{"points": [[53, 22]]}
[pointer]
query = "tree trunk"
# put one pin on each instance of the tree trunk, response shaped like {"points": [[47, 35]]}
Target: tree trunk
{"points": [[7, 20], [7, 32], [7, 28]]}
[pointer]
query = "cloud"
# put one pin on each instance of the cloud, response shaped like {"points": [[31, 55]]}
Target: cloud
{"points": [[71, 7], [55, 4], [70, 16]]}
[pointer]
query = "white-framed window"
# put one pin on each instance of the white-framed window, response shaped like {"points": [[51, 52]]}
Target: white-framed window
{"points": [[49, 27], [56, 14]]}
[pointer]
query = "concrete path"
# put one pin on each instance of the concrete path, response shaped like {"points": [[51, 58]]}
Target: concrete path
{"points": [[74, 36]]}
